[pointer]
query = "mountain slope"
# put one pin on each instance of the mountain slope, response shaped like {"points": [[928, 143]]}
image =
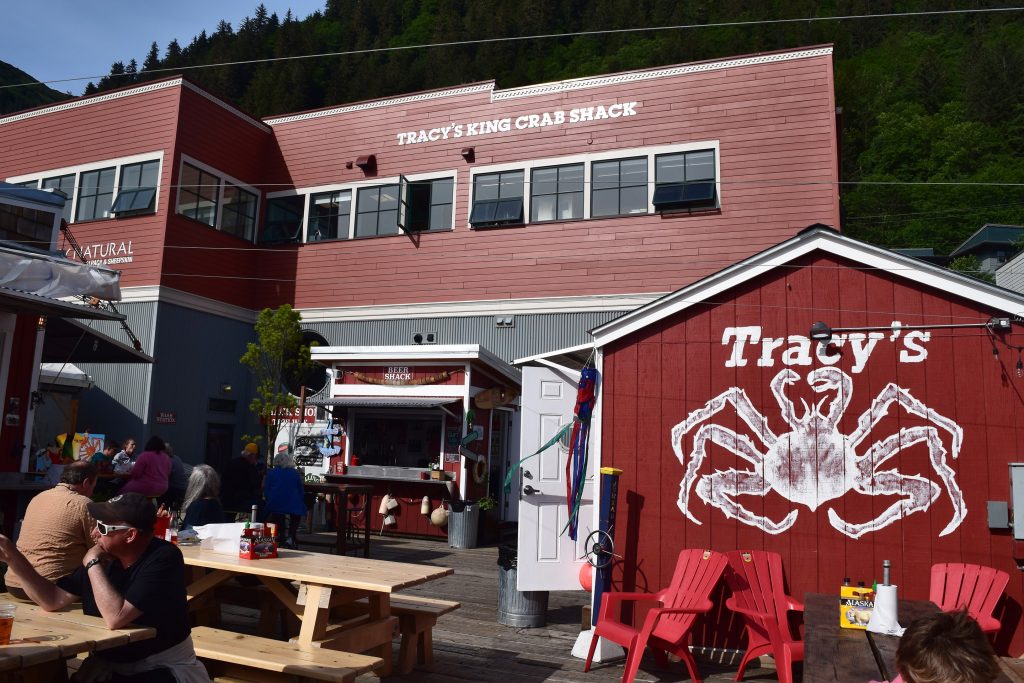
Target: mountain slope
{"points": [[23, 97]]}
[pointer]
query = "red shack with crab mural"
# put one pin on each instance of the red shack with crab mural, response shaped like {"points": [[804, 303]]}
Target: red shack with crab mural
{"points": [[881, 435]]}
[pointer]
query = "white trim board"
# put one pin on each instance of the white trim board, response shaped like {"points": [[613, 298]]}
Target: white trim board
{"points": [[825, 240]]}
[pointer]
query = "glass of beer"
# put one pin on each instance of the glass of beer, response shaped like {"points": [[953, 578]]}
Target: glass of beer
{"points": [[6, 622]]}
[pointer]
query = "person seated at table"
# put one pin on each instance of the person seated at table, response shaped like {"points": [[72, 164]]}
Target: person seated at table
{"points": [[104, 460], [128, 577], [152, 470], [177, 480], [283, 492], [57, 529], [945, 647], [202, 505], [240, 481]]}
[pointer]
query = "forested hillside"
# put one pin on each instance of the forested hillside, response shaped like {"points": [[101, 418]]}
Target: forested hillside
{"points": [[23, 97], [933, 107]]}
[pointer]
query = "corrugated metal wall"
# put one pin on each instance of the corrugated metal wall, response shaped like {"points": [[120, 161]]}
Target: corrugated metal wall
{"points": [[119, 396], [530, 334]]}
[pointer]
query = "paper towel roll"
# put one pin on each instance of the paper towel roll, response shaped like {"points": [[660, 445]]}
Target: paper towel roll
{"points": [[884, 618]]}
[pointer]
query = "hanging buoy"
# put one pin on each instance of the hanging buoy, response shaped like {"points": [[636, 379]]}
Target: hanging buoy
{"points": [[425, 506], [439, 517], [385, 504]]}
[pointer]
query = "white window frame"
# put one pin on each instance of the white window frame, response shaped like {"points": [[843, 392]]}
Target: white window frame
{"points": [[77, 171], [587, 159], [222, 177], [308, 192]]}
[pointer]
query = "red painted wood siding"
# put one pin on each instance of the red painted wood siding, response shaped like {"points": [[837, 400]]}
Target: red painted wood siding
{"points": [[657, 376], [136, 124], [19, 384], [775, 123], [200, 259]]}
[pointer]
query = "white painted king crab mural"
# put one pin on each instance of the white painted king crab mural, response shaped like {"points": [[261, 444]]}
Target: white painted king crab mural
{"points": [[814, 463]]}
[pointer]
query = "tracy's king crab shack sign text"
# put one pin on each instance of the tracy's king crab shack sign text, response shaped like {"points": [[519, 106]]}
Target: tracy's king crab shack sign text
{"points": [[557, 117]]}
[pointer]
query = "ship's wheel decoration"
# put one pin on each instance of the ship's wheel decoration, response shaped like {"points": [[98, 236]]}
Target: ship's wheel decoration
{"points": [[600, 549], [815, 463]]}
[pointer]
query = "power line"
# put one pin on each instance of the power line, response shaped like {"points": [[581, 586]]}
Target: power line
{"points": [[543, 36]]}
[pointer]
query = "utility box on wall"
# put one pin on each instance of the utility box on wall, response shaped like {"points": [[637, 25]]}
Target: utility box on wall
{"points": [[1017, 499]]}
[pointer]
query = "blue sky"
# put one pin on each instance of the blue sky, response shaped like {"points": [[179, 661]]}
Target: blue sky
{"points": [[74, 38]]}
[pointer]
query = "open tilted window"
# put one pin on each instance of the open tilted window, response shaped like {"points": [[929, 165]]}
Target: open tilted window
{"points": [[137, 189], [685, 181], [497, 199]]}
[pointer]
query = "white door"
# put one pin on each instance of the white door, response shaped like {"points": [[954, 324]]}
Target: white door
{"points": [[548, 560]]}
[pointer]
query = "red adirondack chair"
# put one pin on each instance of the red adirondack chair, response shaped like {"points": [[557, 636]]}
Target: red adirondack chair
{"points": [[759, 594], [665, 628], [976, 587]]}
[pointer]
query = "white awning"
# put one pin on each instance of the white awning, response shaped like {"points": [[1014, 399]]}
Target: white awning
{"points": [[56, 277], [385, 401]]}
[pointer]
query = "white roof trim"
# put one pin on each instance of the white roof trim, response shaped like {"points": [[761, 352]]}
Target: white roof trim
{"points": [[550, 354], [129, 92], [412, 353], [563, 86], [634, 76], [824, 240], [378, 104]]}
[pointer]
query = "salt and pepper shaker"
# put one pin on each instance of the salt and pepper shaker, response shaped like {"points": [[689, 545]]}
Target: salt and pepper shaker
{"points": [[885, 572]]}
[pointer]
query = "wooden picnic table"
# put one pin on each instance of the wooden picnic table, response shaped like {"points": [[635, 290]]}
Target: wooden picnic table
{"points": [[324, 582], [41, 641], [848, 655]]}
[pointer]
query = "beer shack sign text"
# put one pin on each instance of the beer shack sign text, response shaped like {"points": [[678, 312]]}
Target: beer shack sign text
{"points": [[558, 117]]}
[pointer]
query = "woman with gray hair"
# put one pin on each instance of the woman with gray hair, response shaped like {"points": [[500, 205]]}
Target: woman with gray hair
{"points": [[282, 489], [202, 504]]}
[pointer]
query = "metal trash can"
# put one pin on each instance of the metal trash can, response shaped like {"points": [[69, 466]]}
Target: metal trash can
{"points": [[521, 609], [463, 519]]}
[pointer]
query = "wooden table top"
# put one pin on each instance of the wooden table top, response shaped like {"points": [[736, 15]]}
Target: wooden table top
{"points": [[850, 655], [321, 568], [39, 636]]}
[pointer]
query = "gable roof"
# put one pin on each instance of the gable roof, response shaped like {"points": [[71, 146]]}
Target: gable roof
{"points": [[816, 238], [990, 233]]}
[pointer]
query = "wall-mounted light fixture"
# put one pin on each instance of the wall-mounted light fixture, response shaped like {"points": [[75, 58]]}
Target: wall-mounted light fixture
{"points": [[41, 323], [367, 162], [225, 387], [468, 153], [820, 332]]}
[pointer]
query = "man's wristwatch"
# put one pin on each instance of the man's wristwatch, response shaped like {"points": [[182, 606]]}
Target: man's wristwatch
{"points": [[92, 563]]}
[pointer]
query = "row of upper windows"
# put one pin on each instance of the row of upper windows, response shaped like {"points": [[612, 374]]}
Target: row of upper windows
{"points": [[125, 189], [683, 180]]}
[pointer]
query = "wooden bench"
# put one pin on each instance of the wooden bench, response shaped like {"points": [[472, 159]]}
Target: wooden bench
{"points": [[273, 614], [417, 616], [232, 656]]}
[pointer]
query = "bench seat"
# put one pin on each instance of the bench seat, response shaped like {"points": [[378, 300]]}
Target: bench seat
{"points": [[417, 616], [238, 656]]}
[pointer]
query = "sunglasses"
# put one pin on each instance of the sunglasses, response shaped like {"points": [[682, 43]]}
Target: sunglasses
{"points": [[105, 529]]}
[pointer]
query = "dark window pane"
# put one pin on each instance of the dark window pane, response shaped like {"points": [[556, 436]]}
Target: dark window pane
{"points": [[545, 181], [670, 168], [387, 222], [441, 191], [368, 199], [483, 212], [633, 172], [605, 203], [441, 217], [511, 184], [388, 197], [485, 187], [633, 200], [284, 220], [509, 211], [417, 206], [570, 178], [605, 175], [366, 224], [700, 166], [570, 206]]}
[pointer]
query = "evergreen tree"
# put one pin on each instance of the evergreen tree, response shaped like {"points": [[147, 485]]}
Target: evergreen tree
{"points": [[152, 60]]}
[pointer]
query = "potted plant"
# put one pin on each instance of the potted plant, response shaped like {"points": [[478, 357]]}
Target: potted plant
{"points": [[488, 520]]}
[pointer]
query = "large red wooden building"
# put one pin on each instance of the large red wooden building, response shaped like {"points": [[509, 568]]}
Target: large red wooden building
{"points": [[510, 219], [735, 430]]}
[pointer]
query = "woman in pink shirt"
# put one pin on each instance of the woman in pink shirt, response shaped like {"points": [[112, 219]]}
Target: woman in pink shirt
{"points": [[151, 471]]}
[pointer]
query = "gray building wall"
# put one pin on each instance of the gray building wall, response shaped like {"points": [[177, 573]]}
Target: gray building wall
{"points": [[1011, 274], [529, 334]]}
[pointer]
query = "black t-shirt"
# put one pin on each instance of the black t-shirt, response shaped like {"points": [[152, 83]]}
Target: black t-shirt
{"points": [[155, 584], [203, 511]]}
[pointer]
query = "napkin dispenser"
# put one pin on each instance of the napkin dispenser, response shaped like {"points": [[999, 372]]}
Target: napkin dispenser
{"points": [[856, 604], [884, 617]]}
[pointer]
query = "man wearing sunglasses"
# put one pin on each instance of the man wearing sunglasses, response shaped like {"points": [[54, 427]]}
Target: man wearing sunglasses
{"points": [[128, 577]]}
